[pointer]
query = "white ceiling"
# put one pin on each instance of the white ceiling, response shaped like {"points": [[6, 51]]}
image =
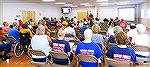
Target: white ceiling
{"points": [[78, 2]]}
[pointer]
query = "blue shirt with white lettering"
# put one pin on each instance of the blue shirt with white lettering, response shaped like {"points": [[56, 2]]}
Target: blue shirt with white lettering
{"points": [[121, 54], [89, 49], [60, 46]]}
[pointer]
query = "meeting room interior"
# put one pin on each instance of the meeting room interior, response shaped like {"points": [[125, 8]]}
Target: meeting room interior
{"points": [[74, 33]]}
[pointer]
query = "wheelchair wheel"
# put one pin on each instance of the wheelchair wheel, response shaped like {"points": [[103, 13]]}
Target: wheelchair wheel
{"points": [[18, 50]]}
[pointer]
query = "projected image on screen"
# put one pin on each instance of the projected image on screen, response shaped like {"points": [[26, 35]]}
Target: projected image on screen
{"points": [[127, 14], [66, 10]]}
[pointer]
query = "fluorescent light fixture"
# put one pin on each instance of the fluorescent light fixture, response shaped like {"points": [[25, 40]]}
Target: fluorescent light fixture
{"points": [[103, 3], [48, 0], [84, 4], [88, 5], [60, 3], [74, 6], [102, 0], [68, 5]]}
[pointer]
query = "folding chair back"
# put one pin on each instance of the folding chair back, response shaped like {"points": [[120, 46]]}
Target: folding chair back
{"points": [[59, 55], [114, 63], [38, 53], [86, 58]]}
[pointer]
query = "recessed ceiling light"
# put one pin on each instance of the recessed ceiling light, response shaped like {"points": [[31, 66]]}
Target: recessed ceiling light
{"points": [[60, 3], [48, 0], [84, 4]]}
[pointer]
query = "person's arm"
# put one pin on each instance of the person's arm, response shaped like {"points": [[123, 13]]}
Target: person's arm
{"points": [[67, 48], [98, 53], [49, 39], [30, 33]]}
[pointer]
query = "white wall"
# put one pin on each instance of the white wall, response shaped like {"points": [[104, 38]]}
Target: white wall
{"points": [[1, 13], [80, 9], [10, 10], [145, 19], [103, 12]]}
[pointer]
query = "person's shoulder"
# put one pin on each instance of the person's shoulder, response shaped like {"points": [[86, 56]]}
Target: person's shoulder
{"points": [[130, 49], [113, 47]]}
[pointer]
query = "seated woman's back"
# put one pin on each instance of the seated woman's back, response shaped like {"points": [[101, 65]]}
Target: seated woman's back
{"points": [[60, 45], [40, 42], [121, 52]]}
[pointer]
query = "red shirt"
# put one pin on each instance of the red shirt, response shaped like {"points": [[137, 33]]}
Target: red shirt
{"points": [[122, 24], [20, 24]]}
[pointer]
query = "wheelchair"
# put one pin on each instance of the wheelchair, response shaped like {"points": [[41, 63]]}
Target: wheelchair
{"points": [[23, 45]]}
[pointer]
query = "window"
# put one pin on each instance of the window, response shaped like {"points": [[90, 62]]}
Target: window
{"points": [[149, 13], [127, 14], [142, 13]]}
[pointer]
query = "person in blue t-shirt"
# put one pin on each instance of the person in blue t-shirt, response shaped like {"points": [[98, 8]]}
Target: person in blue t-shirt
{"points": [[14, 33], [97, 38], [87, 47], [121, 52], [82, 29], [60, 45]]}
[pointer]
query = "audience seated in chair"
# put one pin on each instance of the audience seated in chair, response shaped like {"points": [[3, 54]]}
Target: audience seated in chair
{"points": [[14, 32], [25, 30], [40, 42], [121, 52], [111, 38], [97, 38], [87, 47], [60, 45], [5, 46], [142, 38], [5, 28]]}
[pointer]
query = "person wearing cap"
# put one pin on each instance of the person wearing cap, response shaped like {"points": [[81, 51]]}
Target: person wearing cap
{"points": [[65, 24], [87, 47]]}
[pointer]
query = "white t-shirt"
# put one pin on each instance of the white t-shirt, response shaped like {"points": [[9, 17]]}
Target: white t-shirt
{"points": [[142, 40], [132, 33], [40, 42]]}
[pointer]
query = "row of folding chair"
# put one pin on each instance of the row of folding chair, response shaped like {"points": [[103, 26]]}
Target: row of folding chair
{"points": [[80, 57]]}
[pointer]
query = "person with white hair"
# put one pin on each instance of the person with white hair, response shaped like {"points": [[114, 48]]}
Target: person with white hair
{"points": [[87, 47], [40, 42], [141, 38]]}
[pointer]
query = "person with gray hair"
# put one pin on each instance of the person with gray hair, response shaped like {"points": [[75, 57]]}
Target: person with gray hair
{"points": [[40, 42], [116, 29], [87, 47]]}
